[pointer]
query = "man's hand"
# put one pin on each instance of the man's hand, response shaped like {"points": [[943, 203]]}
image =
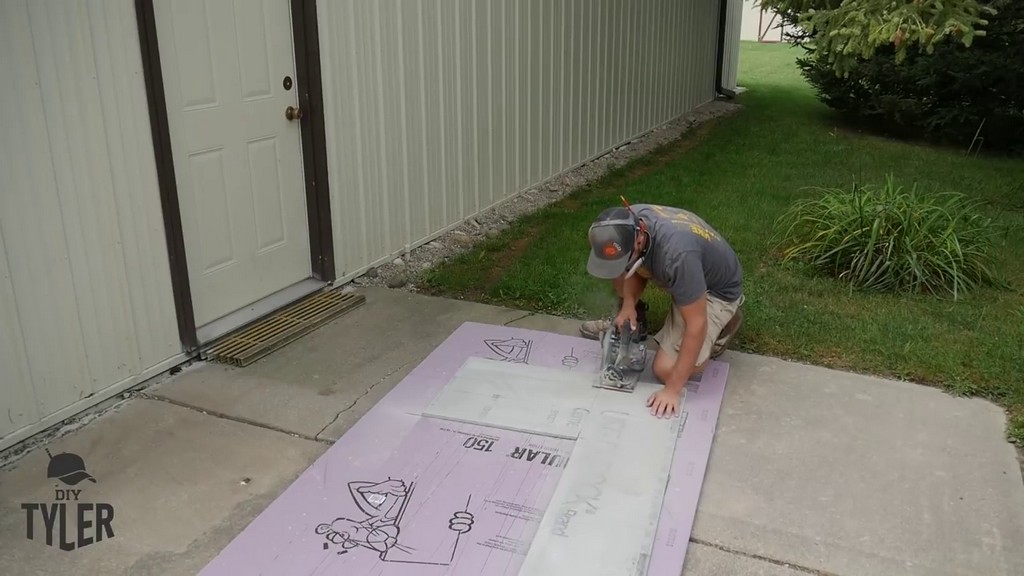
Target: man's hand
{"points": [[632, 288], [626, 314], [664, 403]]}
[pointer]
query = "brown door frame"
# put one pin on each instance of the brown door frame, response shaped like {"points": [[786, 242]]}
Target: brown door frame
{"points": [[308, 86]]}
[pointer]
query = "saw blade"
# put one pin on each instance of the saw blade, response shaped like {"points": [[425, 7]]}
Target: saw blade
{"points": [[613, 378]]}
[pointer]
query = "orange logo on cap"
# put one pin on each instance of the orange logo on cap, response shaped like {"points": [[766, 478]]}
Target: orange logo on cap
{"points": [[611, 249]]}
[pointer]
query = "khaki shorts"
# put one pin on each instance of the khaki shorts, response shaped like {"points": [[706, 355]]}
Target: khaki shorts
{"points": [[670, 337]]}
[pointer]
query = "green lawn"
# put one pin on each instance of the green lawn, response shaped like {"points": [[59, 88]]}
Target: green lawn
{"points": [[741, 173]]}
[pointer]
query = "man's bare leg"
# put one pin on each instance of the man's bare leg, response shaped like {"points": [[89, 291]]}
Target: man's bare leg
{"points": [[665, 361]]}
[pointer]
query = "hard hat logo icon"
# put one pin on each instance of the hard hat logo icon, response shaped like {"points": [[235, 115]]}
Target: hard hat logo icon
{"points": [[68, 468]]}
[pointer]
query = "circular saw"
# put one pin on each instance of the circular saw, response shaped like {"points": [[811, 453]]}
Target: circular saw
{"points": [[623, 357]]}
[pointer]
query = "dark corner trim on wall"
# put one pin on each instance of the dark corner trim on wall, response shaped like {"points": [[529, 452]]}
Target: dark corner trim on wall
{"points": [[309, 88], [723, 7], [165, 174]]}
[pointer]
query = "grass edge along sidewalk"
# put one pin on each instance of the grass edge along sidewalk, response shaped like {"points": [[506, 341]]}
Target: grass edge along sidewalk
{"points": [[742, 172]]}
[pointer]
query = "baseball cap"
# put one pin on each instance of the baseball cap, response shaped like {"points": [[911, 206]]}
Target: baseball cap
{"points": [[68, 468], [612, 235]]}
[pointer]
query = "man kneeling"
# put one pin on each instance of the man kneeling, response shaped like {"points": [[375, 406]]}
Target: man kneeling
{"points": [[688, 259]]}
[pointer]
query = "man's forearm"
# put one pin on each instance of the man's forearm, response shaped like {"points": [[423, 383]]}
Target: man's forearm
{"points": [[632, 288]]}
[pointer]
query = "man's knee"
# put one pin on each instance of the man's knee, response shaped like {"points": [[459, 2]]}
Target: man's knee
{"points": [[663, 363]]}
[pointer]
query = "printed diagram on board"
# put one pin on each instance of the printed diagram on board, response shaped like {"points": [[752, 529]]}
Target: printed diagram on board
{"points": [[571, 360], [384, 504], [514, 350], [576, 357]]}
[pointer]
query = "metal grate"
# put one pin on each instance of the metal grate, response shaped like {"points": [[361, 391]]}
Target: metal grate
{"points": [[283, 327]]}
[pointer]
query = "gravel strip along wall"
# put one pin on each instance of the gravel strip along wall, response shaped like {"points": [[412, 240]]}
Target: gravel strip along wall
{"points": [[402, 272]]}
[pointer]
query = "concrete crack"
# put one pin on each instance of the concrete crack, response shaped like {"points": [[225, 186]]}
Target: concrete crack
{"points": [[527, 315], [223, 416], [790, 565], [356, 401]]}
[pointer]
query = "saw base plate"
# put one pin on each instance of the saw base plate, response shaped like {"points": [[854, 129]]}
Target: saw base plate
{"points": [[626, 384]]}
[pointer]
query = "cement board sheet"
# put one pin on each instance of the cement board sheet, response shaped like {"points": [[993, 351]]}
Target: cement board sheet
{"points": [[515, 396], [603, 517]]}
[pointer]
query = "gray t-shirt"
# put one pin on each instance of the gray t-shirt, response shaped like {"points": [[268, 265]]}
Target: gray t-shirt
{"points": [[688, 257]]}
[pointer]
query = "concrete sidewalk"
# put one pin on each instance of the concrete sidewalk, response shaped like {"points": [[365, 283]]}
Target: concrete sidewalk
{"points": [[812, 471]]}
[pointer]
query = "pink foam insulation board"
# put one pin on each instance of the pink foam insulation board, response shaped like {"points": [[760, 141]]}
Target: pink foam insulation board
{"points": [[406, 494]]}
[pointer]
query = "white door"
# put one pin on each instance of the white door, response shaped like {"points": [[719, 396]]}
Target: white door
{"points": [[237, 158]]}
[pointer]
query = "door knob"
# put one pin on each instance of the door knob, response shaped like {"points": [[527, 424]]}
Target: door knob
{"points": [[292, 113]]}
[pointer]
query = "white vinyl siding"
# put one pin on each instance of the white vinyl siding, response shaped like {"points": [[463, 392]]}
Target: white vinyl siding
{"points": [[437, 109], [85, 297], [434, 111], [733, 31]]}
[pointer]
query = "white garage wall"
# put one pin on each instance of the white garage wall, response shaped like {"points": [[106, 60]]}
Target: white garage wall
{"points": [[437, 109], [733, 30], [86, 308]]}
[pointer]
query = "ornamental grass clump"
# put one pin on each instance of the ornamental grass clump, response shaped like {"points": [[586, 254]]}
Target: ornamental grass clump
{"points": [[890, 239]]}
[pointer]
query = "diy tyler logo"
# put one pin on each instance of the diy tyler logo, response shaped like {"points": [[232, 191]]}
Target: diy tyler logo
{"points": [[68, 522]]}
